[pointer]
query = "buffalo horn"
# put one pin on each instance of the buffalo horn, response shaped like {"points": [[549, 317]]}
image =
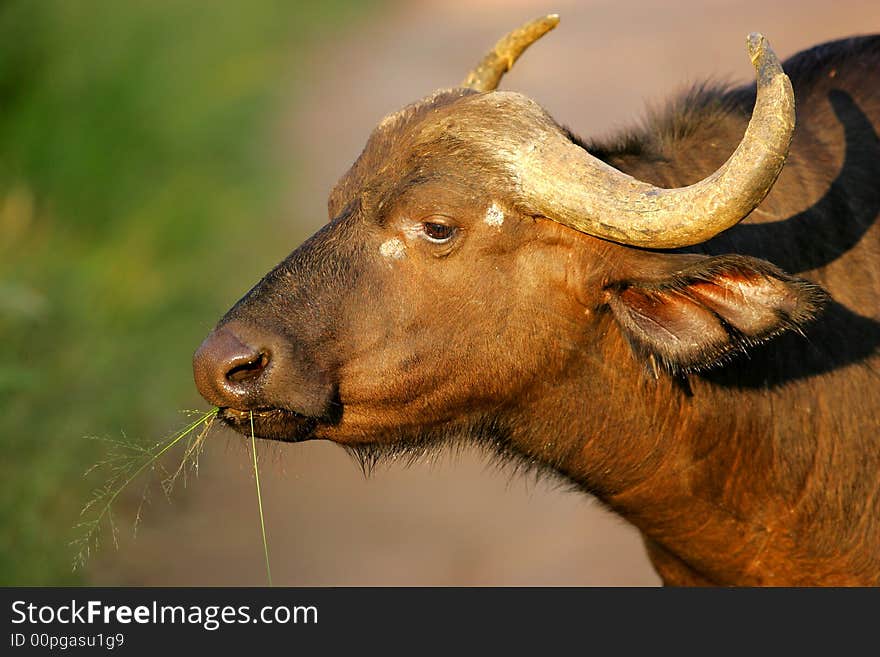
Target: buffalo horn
{"points": [[560, 180], [499, 60]]}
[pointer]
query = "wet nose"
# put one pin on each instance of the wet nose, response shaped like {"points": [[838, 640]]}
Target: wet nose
{"points": [[227, 370]]}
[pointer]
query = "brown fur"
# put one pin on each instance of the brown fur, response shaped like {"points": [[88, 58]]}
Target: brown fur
{"points": [[752, 457]]}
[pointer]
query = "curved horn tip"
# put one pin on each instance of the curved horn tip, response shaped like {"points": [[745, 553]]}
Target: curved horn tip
{"points": [[550, 20], [761, 53], [756, 42], [499, 60]]}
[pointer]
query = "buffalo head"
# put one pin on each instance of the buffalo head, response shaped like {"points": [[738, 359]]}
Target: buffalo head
{"points": [[479, 264]]}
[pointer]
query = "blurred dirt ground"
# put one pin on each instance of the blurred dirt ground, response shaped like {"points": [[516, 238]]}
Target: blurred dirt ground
{"points": [[458, 521]]}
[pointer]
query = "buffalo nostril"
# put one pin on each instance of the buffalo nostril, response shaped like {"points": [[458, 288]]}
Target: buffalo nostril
{"points": [[250, 369], [227, 370]]}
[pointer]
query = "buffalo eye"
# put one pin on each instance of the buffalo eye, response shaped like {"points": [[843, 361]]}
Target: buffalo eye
{"points": [[437, 233]]}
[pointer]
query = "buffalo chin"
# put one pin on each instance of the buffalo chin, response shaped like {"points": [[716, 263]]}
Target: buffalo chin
{"points": [[270, 424]]}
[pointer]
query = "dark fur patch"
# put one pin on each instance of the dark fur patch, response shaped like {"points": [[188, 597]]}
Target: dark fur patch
{"points": [[701, 105], [697, 108]]}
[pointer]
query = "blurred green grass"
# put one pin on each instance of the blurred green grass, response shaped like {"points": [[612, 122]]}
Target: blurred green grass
{"points": [[135, 180]]}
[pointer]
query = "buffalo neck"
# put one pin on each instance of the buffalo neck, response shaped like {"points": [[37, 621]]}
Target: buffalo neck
{"points": [[724, 486]]}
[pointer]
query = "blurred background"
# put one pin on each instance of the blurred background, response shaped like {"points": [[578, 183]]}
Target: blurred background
{"points": [[158, 156]]}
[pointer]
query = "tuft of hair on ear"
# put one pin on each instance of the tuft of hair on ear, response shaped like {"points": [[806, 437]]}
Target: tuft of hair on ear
{"points": [[707, 311]]}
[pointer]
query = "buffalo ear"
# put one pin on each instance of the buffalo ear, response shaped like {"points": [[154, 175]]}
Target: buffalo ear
{"points": [[706, 309]]}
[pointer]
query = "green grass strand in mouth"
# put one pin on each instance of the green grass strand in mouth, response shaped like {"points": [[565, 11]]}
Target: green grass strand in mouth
{"points": [[127, 463], [128, 460], [260, 500]]}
